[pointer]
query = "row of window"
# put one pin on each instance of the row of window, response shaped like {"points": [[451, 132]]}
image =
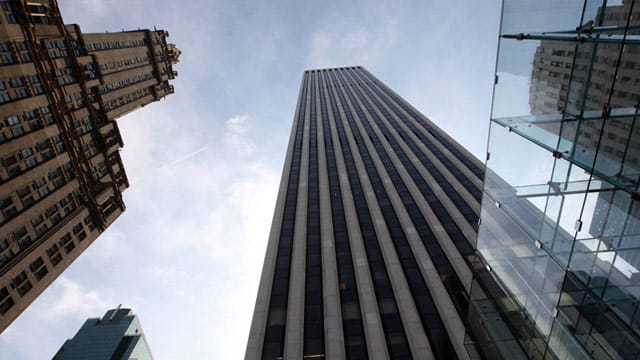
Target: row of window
{"points": [[26, 158], [313, 310], [40, 224], [432, 323], [452, 147], [38, 268], [451, 281], [126, 82], [395, 336], [106, 45], [353, 330], [126, 62], [37, 14], [61, 53], [434, 203], [431, 168], [20, 88], [127, 98], [11, 51]]}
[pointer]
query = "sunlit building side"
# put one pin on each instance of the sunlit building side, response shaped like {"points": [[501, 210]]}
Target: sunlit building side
{"points": [[61, 175]]}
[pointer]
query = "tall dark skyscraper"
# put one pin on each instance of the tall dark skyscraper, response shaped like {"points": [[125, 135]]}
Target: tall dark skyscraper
{"points": [[61, 176], [373, 234]]}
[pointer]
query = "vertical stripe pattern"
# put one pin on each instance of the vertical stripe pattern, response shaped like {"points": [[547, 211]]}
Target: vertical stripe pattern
{"points": [[377, 221]]}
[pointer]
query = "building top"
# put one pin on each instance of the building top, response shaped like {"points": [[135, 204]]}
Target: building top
{"points": [[117, 335]]}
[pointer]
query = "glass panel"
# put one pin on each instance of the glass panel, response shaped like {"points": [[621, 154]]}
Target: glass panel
{"points": [[525, 16], [506, 149], [563, 344], [560, 205], [511, 92], [530, 274]]}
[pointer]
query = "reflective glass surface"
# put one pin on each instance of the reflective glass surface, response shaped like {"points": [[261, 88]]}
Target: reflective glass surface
{"points": [[560, 228]]}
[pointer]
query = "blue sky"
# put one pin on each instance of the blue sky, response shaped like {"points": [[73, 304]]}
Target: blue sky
{"points": [[204, 163]]}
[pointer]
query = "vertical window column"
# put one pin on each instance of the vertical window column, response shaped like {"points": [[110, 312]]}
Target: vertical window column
{"points": [[354, 337], [313, 311], [395, 335], [277, 314], [431, 321]]}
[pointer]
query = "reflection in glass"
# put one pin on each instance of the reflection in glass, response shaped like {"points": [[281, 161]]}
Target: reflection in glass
{"points": [[560, 223]]}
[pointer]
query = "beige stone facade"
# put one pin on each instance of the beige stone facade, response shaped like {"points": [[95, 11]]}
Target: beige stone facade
{"points": [[61, 176]]}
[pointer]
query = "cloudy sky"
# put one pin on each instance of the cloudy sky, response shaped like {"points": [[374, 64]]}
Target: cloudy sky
{"points": [[204, 163]]}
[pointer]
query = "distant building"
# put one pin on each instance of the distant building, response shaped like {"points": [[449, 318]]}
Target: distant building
{"points": [[61, 176], [117, 336]]}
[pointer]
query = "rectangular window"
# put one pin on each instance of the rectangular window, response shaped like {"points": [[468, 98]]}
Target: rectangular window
{"points": [[21, 283], [6, 302]]}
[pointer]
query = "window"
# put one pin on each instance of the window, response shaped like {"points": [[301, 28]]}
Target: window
{"points": [[7, 59], [89, 222], [6, 202], [54, 255], [16, 82], [38, 268], [13, 120], [26, 197], [6, 302], [21, 283], [77, 228], [39, 182], [21, 93], [12, 19], [26, 152], [67, 243]]}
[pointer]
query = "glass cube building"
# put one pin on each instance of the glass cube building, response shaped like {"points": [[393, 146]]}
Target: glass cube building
{"points": [[559, 235]]}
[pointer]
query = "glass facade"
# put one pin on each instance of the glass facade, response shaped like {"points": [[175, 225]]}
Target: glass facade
{"points": [[116, 336], [560, 229]]}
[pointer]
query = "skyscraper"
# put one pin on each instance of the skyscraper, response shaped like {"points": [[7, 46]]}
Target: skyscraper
{"points": [[373, 234], [116, 336], [61, 176]]}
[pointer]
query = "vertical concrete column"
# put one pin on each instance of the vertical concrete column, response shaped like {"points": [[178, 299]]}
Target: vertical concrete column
{"points": [[294, 332], [376, 343], [261, 310], [333, 333], [416, 336]]}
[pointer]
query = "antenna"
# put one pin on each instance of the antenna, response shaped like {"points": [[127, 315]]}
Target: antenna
{"points": [[113, 314]]}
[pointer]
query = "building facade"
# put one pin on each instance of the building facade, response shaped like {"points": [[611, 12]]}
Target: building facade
{"points": [[116, 336], [372, 241], [61, 176], [560, 221]]}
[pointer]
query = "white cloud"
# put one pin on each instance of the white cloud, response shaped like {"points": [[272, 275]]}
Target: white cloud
{"points": [[53, 317], [87, 9], [236, 134], [75, 299], [345, 42], [320, 48]]}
